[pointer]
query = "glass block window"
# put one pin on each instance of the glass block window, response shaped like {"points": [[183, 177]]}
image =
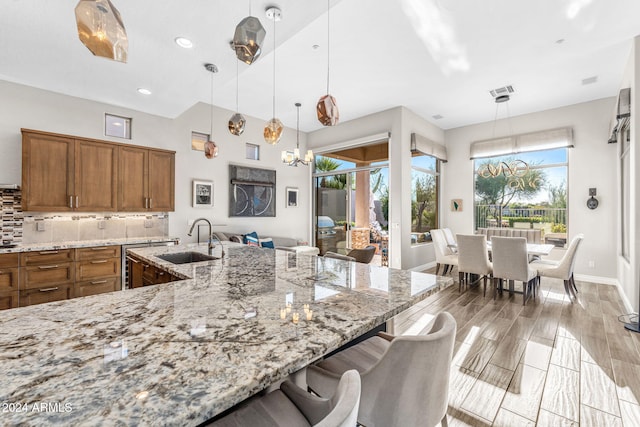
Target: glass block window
{"points": [[117, 126]]}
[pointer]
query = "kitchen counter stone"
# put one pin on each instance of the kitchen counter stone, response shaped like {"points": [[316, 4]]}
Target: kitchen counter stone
{"points": [[182, 352], [84, 244]]}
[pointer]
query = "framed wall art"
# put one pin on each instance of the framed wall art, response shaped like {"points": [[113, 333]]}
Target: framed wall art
{"points": [[252, 191], [202, 194], [292, 197]]}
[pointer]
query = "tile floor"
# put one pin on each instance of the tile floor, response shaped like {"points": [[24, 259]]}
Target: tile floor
{"points": [[549, 363]]}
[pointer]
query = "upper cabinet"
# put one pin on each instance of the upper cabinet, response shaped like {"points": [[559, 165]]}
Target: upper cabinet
{"points": [[66, 173], [146, 180]]}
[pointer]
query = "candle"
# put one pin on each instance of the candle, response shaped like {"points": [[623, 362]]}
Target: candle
{"points": [[306, 307], [283, 313], [296, 317], [309, 314], [288, 307]]}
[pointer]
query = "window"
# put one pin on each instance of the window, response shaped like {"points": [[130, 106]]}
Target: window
{"points": [[424, 197], [252, 151], [197, 140], [524, 190], [625, 190], [117, 126]]}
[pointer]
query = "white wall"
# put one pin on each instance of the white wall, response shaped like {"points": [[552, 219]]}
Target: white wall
{"points": [[400, 123], [592, 163], [27, 107]]}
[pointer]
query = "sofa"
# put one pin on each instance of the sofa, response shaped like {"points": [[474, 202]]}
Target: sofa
{"points": [[277, 242], [532, 235]]}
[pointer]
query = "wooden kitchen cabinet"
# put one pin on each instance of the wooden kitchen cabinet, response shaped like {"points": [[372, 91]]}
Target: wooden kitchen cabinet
{"points": [[46, 276], [97, 270], [68, 173], [146, 180], [9, 281], [142, 273]]}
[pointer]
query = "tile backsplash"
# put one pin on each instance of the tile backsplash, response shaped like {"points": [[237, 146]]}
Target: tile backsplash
{"points": [[30, 227]]}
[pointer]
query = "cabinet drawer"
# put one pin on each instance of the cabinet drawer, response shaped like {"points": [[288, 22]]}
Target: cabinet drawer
{"points": [[94, 287], [98, 252], [46, 257], [98, 268], [9, 279], [39, 276], [46, 294], [8, 300], [9, 260]]}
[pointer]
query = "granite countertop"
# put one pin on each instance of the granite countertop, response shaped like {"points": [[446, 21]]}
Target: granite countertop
{"points": [[84, 244], [182, 352]]}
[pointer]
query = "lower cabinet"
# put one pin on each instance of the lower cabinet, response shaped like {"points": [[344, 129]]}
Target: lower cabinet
{"points": [[94, 287], [142, 273], [46, 294], [9, 300]]}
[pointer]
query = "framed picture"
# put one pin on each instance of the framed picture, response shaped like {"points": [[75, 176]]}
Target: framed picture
{"points": [[202, 194], [456, 205], [292, 197]]}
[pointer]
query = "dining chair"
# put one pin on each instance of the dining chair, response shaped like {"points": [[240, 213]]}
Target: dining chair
{"points": [[291, 406], [511, 262], [562, 269], [444, 255], [334, 255], [451, 240], [364, 255], [405, 379], [473, 259]]}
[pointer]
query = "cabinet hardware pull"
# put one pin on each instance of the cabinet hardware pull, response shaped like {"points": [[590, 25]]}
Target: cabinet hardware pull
{"points": [[48, 267], [146, 203], [48, 252], [103, 248], [71, 202], [102, 261], [98, 282], [150, 203], [77, 203], [133, 260], [48, 289]]}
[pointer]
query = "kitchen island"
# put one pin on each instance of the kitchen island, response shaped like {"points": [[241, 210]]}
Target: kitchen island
{"points": [[181, 353]]}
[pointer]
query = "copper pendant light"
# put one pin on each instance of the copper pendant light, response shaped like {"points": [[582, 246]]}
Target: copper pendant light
{"points": [[273, 128], [210, 147], [327, 108]]}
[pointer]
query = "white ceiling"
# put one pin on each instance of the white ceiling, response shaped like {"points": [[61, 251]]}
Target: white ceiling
{"points": [[435, 57]]}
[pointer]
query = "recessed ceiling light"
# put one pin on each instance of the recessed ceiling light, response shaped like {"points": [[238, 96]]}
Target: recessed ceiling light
{"points": [[315, 47], [559, 41], [184, 42], [144, 91]]}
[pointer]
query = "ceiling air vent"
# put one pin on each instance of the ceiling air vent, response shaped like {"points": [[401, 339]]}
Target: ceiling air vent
{"points": [[501, 91]]}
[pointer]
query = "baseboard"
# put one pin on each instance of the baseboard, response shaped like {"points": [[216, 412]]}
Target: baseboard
{"points": [[423, 267]]}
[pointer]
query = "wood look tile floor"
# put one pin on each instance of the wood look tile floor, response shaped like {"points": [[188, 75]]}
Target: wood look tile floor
{"points": [[549, 363]]}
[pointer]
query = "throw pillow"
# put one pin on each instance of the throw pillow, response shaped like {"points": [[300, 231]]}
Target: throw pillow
{"points": [[252, 234], [267, 243], [252, 241], [236, 239]]}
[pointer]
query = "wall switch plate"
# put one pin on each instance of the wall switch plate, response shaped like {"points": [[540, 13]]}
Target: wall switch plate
{"points": [[101, 225], [39, 225], [148, 223]]}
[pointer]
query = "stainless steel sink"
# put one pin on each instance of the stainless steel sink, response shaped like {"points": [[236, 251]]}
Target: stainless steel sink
{"points": [[187, 257]]}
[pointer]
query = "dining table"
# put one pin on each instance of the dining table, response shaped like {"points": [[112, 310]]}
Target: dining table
{"points": [[183, 352]]}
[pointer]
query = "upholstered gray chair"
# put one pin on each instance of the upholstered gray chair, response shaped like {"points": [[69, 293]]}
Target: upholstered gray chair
{"points": [[473, 258], [405, 379], [334, 255], [444, 255], [364, 255], [291, 406], [562, 269], [510, 262]]}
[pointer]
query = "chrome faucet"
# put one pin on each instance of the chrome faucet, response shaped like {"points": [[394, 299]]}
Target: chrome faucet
{"points": [[210, 240]]}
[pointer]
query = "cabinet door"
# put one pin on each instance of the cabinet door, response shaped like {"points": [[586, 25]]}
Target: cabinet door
{"points": [[47, 172], [47, 294], [96, 176], [94, 287], [97, 269], [8, 300], [132, 182], [161, 181]]}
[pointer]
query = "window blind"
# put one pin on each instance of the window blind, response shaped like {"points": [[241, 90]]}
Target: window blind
{"points": [[426, 146], [533, 141]]}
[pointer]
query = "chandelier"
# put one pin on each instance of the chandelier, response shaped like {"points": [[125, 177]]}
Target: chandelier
{"points": [[292, 158]]}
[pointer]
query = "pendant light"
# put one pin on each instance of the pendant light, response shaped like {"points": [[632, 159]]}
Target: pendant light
{"points": [[237, 121], [101, 30], [293, 158], [210, 147], [273, 128], [248, 39], [327, 107]]}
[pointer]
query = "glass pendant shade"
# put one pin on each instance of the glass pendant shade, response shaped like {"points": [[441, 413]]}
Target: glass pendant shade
{"points": [[248, 38], [273, 131], [210, 150], [101, 30], [327, 110], [236, 124]]}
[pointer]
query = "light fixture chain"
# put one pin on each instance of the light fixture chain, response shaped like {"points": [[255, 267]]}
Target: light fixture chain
{"points": [[298, 126], [211, 130], [328, 42], [237, 85], [274, 66]]}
